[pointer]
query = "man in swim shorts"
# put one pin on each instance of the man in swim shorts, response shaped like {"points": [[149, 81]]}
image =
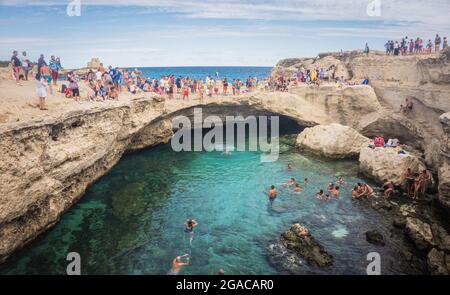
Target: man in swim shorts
{"points": [[177, 264], [272, 194]]}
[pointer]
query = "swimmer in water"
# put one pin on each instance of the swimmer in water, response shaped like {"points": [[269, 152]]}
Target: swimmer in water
{"points": [[291, 182], [320, 195], [189, 229], [330, 187], [177, 264], [340, 181], [335, 192], [306, 180], [289, 168], [297, 188], [221, 272], [272, 194]]}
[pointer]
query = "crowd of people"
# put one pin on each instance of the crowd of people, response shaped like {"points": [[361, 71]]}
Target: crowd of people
{"points": [[407, 46]]}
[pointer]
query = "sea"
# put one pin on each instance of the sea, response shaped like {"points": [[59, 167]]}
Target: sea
{"points": [[219, 72]]}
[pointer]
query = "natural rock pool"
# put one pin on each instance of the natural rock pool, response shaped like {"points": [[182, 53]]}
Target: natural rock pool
{"points": [[131, 221]]}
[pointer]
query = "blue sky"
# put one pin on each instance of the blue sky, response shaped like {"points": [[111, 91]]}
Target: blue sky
{"points": [[209, 32]]}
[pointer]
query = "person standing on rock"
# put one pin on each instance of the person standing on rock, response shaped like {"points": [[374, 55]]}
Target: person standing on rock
{"points": [[16, 65], [41, 89], [367, 50], [26, 64], [41, 63], [437, 43], [408, 176], [445, 44], [54, 67]]}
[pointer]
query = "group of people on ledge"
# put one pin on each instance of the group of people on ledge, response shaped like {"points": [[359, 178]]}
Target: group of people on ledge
{"points": [[407, 46]]}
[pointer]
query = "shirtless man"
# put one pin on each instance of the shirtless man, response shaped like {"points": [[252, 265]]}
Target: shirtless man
{"points": [[367, 190], [177, 264], [408, 176], [356, 193], [335, 192], [297, 188], [289, 167], [272, 194]]}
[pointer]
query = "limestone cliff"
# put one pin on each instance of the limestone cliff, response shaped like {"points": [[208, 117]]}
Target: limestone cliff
{"points": [[424, 79], [46, 165]]}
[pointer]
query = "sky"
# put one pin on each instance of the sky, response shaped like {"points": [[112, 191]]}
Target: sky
{"points": [[135, 33]]}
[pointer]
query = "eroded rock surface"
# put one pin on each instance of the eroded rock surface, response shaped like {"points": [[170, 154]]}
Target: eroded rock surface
{"points": [[387, 163], [332, 141], [299, 239]]}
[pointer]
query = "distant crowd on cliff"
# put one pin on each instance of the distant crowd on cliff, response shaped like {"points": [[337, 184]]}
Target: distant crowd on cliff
{"points": [[407, 46]]}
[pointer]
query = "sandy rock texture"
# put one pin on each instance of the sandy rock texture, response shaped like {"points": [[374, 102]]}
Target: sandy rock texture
{"points": [[332, 141], [387, 163]]}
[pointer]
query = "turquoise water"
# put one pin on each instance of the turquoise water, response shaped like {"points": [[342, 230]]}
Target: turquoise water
{"points": [[131, 220], [230, 73]]}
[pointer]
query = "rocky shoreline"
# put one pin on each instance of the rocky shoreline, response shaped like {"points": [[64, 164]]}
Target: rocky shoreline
{"points": [[46, 165]]}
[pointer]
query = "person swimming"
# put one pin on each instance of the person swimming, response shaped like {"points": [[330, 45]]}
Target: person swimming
{"points": [[289, 167], [320, 195], [291, 182], [297, 188], [335, 192], [177, 264], [272, 194], [189, 229], [340, 181], [306, 181], [330, 187]]}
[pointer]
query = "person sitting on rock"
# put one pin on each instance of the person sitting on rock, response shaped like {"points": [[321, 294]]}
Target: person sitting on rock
{"points": [[357, 193], [388, 188], [393, 143], [367, 190], [408, 107]]}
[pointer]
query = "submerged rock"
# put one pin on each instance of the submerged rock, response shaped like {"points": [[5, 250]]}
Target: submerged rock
{"points": [[375, 238], [299, 239], [419, 232], [333, 141], [387, 163], [438, 262], [399, 222]]}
